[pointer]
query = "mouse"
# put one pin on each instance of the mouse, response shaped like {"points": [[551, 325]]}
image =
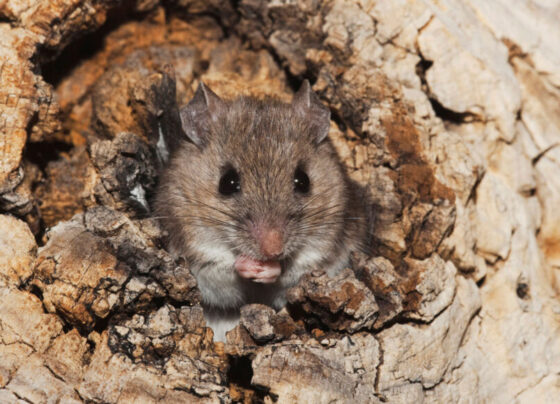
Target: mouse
{"points": [[253, 197]]}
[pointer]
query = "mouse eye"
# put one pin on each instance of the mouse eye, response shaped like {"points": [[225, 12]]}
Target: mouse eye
{"points": [[301, 181], [229, 183]]}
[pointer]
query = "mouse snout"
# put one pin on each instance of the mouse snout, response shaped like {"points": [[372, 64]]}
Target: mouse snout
{"points": [[270, 240]]}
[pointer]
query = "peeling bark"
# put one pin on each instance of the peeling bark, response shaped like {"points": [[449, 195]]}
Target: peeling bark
{"points": [[446, 114]]}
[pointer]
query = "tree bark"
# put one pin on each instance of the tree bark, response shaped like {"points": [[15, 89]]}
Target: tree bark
{"points": [[446, 111]]}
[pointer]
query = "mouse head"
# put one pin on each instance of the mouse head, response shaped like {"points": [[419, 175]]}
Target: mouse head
{"points": [[256, 179]]}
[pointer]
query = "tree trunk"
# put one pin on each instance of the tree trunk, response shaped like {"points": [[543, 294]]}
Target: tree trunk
{"points": [[447, 111]]}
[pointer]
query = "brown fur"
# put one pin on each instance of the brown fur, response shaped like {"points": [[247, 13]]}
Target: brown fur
{"points": [[265, 141]]}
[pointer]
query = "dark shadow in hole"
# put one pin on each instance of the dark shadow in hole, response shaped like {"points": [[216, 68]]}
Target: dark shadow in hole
{"points": [[421, 67], [34, 290], [41, 153], [522, 290], [240, 371], [480, 282], [101, 324], [55, 67], [450, 116]]}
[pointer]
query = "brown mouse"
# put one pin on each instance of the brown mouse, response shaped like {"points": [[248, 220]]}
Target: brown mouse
{"points": [[254, 197]]}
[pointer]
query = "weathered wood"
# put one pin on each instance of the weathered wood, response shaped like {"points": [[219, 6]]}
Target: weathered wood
{"points": [[446, 112]]}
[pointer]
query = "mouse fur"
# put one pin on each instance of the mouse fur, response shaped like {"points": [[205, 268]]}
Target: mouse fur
{"points": [[264, 142]]}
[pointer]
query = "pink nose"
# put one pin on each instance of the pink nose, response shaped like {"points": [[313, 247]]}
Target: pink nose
{"points": [[270, 242]]}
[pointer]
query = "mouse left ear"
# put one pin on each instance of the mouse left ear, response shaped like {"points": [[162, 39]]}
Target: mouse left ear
{"points": [[199, 114], [306, 103]]}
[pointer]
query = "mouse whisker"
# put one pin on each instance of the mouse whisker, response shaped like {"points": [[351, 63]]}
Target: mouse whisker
{"points": [[206, 220], [319, 224], [310, 201], [335, 206], [322, 223], [321, 211], [200, 203], [321, 219], [329, 220]]}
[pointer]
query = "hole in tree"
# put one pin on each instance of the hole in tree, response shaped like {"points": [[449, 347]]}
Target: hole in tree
{"points": [[240, 371], [448, 115], [522, 290], [57, 66], [34, 290], [41, 153]]}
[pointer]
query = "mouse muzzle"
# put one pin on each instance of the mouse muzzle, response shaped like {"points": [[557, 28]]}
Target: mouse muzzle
{"points": [[270, 242]]}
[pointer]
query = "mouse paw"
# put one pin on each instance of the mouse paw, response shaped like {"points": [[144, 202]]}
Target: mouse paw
{"points": [[258, 271]]}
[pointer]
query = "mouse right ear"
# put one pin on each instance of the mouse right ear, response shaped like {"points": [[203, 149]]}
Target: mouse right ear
{"points": [[200, 113]]}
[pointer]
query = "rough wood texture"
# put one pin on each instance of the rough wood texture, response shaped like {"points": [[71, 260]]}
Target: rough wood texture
{"points": [[447, 111]]}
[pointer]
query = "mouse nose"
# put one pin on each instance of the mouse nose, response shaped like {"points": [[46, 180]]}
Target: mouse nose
{"points": [[270, 241]]}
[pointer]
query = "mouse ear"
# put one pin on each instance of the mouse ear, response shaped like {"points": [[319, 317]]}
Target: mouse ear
{"points": [[199, 114], [307, 104]]}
